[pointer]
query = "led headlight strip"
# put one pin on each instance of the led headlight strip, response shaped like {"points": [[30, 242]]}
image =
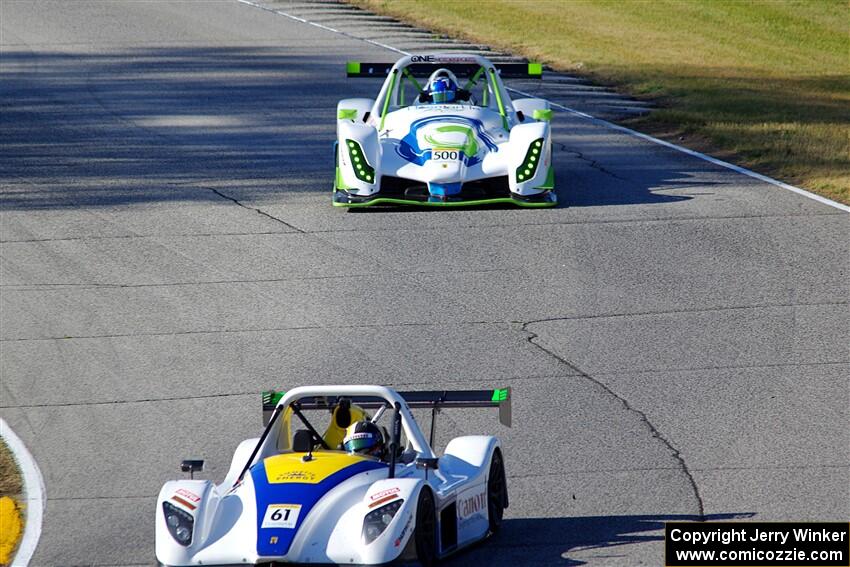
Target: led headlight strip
{"points": [[528, 168], [362, 169]]}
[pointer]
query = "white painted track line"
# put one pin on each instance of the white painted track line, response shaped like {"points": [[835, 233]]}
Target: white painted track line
{"points": [[34, 495], [601, 122]]}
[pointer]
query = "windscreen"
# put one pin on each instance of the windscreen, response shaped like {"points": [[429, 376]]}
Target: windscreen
{"points": [[472, 86]]}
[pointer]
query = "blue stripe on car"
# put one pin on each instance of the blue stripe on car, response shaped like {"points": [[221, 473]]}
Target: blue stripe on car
{"points": [[275, 542]]}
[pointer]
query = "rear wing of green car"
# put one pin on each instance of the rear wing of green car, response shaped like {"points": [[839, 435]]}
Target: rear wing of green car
{"points": [[434, 400], [356, 69]]}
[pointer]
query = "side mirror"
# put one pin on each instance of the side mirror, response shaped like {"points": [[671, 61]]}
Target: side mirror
{"points": [[423, 463], [192, 466]]}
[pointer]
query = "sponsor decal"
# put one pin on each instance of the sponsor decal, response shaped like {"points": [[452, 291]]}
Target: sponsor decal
{"points": [[445, 59], [446, 133], [273, 539], [183, 502], [383, 500], [384, 493], [403, 533], [293, 476], [472, 505], [188, 495], [281, 516]]}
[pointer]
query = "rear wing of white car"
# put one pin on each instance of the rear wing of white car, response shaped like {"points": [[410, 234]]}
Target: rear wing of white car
{"points": [[356, 69], [434, 400]]}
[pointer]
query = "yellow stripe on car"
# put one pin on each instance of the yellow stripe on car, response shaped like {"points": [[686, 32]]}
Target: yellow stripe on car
{"points": [[290, 467]]}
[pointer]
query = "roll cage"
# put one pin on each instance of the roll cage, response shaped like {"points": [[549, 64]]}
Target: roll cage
{"points": [[474, 71], [381, 399]]}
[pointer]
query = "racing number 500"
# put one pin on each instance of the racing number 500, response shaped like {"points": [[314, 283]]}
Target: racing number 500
{"points": [[445, 155]]}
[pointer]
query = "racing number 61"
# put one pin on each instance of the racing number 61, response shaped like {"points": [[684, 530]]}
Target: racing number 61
{"points": [[281, 516]]}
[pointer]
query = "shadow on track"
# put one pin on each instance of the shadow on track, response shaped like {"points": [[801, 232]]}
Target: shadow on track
{"points": [[549, 541], [136, 126]]}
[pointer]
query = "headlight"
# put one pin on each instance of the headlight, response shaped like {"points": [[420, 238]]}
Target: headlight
{"points": [[526, 171], [362, 169], [377, 521], [180, 523]]}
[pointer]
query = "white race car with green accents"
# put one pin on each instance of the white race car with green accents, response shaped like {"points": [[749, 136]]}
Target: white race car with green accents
{"points": [[403, 148], [293, 496]]}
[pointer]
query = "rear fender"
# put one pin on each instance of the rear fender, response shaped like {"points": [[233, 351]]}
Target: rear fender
{"points": [[522, 136], [528, 105], [469, 455], [366, 139], [354, 109]]}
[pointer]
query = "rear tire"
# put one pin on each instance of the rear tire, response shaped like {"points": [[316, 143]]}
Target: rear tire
{"points": [[497, 491], [426, 529]]}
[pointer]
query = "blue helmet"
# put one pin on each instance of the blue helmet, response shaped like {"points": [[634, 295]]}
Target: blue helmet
{"points": [[442, 89]]}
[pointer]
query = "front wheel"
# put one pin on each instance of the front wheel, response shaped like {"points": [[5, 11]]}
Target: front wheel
{"points": [[497, 492], [426, 529]]}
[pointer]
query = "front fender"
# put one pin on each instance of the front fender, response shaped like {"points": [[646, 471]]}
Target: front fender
{"points": [[345, 514], [365, 154], [519, 150], [194, 497]]}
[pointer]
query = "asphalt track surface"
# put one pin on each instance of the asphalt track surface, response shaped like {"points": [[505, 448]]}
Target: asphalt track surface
{"points": [[676, 334]]}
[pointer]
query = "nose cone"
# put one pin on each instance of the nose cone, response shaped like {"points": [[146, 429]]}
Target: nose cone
{"points": [[444, 177]]}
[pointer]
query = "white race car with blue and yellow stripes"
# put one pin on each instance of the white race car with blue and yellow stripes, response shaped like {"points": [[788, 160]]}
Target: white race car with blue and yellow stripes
{"points": [[411, 147], [292, 496]]}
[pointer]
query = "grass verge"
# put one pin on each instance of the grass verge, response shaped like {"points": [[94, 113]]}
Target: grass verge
{"points": [[11, 490], [765, 84]]}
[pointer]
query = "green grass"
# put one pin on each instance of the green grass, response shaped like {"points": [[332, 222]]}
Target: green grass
{"points": [[765, 84]]}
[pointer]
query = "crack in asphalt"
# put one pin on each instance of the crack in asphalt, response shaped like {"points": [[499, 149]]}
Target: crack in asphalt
{"points": [[433, 324], [644, 419], [591, 162], [255, 209]]}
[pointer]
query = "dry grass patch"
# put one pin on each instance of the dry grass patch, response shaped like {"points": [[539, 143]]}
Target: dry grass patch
{"points": [[11, 489]]}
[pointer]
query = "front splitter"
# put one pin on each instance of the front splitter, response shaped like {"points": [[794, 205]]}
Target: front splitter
{"points": [[541, 200]]}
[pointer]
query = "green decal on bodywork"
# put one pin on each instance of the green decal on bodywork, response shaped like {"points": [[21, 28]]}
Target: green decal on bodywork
{"points": [[468, 147], [352, 67], [498, 95], [387, 99], [544, 114], [535, 69], [348, 114], [338, 182], [271, 397], [500, 395], [550, 180]]}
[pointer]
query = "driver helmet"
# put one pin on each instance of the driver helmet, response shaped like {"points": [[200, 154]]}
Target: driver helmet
{"points": [[365, 438], [442, 89]]}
